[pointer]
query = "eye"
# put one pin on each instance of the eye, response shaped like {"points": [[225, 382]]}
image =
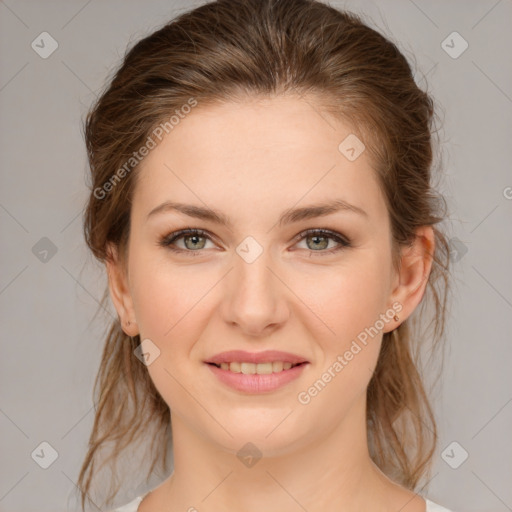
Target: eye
{"points": [[196, 239], [320, 241]]}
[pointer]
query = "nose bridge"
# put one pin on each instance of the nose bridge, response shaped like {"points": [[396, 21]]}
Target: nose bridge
{"points": [[254, 278], [253, 299]]}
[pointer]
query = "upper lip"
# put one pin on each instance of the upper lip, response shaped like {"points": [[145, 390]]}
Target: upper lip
{"points": [[241, 356]]}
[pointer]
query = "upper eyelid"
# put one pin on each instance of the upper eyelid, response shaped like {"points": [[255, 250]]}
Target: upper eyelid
{"points": [[323, 231]]}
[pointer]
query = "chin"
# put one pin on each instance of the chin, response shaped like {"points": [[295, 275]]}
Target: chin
{"points": [[267, 432]]}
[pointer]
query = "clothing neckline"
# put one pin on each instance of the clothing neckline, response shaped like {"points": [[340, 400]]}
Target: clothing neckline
{"points": [[138, 500]]}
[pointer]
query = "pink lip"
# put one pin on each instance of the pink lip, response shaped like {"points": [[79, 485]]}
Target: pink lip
{"points": [[257, 383], [241, 356]]}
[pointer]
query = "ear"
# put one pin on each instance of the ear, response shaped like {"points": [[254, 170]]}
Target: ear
{"points": [[120, 291], [412, 277]]}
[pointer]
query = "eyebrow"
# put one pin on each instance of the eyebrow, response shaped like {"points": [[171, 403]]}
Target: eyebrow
{"points": [[287, 217]]}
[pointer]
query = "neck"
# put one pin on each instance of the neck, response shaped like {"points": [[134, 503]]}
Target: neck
{"points": [[330, 472]]}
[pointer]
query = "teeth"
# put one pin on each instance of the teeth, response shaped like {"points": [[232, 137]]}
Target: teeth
{"points": [[248, 368], [259, 368], [277, 366]]}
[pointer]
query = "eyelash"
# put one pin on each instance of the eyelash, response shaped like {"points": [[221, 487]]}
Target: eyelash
{"points": [[344, 242]]}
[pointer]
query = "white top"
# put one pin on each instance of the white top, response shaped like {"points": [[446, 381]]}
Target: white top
{"points": [[133, 506]]}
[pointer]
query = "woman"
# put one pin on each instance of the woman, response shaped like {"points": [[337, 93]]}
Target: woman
{"points": [[261, 197]]}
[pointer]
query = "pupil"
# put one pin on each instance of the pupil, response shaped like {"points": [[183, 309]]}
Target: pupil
{"points": [[316, 238], [194, 239]]}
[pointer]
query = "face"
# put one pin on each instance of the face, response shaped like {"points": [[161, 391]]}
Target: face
{"points": [[257, 282]]}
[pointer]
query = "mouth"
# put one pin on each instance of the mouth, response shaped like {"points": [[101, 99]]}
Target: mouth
{"points": [[265, 368], [256, 372], [257, 378]]}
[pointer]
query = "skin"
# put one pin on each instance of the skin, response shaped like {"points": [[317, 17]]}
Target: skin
{"points": [[253, 160]]}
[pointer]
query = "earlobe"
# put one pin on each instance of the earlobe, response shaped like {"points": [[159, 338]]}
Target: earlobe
{"points": [[119, 292], [415, 266]]}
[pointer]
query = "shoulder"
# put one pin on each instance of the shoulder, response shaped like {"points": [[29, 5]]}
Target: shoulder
{"points": [[433, 507], [130, 507]]}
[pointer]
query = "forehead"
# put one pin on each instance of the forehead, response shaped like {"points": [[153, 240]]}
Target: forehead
{"points": [[272, 151]]}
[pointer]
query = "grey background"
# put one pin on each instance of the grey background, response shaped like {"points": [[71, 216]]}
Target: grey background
{"points": [[50, 341]]}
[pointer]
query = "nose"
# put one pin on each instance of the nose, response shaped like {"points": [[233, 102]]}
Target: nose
{"points": [[255, 299]]}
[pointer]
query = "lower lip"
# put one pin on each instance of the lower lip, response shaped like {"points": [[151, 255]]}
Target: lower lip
{"points": [[257, 383]]}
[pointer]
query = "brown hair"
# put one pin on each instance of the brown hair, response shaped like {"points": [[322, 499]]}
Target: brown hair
{"points": [[229, 50]]}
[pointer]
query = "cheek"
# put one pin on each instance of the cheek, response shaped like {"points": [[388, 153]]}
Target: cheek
{"points": [[165, 295], [350, 303], [347, 299], [171, 313]]}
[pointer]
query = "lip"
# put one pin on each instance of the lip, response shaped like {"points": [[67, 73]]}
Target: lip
{"points": [[257, 384], [242, 356]]}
